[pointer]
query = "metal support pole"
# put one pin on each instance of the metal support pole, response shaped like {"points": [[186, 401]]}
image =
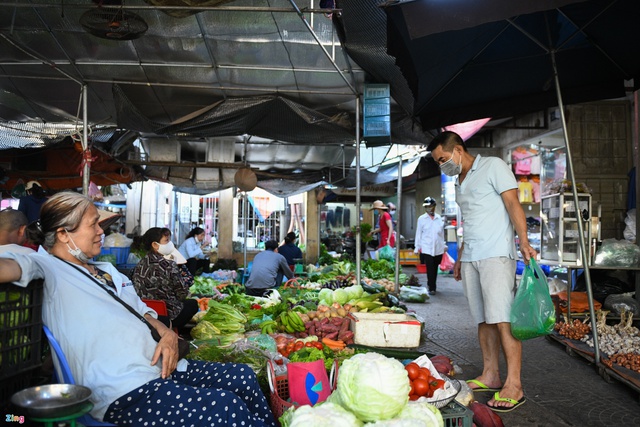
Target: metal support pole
{"points": [[358, 232], [583, 247], [86, 170], [397, 231], [245, 213]]}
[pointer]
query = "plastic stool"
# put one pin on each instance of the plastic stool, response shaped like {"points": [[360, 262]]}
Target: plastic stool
{"points": [[299, 270], [71, 418]]}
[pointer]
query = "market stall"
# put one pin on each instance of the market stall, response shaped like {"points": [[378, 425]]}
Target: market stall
{"points": [[328, 348]]}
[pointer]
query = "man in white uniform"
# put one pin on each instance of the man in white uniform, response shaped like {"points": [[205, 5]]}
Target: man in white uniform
{"points": [[429, 242]]}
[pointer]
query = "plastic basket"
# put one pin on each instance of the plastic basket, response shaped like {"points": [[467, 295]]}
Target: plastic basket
{"points": [[11, 385], [456, 415], [20, 328], [279, 395], [279, 387], [444, 402], [422, 268], [122, 254]]}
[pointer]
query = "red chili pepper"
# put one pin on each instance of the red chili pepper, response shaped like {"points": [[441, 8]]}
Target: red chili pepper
{"points": [[256, 306]]}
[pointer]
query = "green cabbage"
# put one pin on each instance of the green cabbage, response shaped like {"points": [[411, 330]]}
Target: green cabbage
{"points": [[326, 296], [340, 296], [428, 414], [373, 387], [354, 291], [324, 415], [399, 422]]}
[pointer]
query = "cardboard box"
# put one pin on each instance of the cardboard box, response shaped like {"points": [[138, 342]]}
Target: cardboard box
{"points": [[385, 330]]}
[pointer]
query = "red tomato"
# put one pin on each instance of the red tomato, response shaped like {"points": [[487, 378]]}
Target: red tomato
{"points": [[412, 370], [318, 345], [411, 391], [424, 374], [414, 397], [309, 344], [298, 345], [420, 386]]}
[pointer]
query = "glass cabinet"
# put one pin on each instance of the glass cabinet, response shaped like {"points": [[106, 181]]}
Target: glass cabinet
{"points": [[559, 239]]}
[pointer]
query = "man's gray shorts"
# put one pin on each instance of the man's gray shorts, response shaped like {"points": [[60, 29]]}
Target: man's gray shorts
{"points": [[489, 286]]}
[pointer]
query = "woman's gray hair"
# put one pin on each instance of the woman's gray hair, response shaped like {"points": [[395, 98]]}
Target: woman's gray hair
{"points": [[62, 210]]}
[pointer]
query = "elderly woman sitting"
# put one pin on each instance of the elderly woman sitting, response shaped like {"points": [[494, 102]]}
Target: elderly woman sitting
{"points": [[135, 380]]}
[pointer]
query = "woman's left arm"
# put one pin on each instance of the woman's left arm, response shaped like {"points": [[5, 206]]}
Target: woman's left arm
{"points": [[167, 347]]}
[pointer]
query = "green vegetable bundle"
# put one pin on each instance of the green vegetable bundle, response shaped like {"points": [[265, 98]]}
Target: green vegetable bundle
{"points": [[226, 318], [203, 286]]}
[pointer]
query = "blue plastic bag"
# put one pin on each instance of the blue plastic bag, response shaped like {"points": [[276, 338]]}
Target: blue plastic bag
{"points": [[532, 313]]}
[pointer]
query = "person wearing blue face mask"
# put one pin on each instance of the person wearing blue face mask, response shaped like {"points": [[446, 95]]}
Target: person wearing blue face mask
{"points": [[486, 191], [160, 278]]}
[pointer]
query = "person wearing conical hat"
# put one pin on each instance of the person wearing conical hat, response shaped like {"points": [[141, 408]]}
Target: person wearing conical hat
{"points": [[385, 224]]}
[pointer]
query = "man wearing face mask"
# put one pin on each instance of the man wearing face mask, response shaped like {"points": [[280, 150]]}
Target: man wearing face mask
{"points": [[429, 242], [486, 191], [158, 276]]}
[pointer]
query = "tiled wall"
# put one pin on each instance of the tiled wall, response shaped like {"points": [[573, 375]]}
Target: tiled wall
{"points": [[600, 138]]}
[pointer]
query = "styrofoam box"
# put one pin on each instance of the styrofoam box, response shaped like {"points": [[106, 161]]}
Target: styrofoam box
{"points": [[385, 330]]}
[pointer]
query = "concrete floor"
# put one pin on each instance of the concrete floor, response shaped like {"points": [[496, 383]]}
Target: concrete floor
{"points": [[561, 390]]}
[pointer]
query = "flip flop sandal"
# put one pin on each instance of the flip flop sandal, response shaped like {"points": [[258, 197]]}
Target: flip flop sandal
{"points": [[481, 386], [515, 403]]}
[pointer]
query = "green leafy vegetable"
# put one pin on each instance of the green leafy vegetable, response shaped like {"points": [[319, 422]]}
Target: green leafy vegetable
{"points": [[204, 330]]}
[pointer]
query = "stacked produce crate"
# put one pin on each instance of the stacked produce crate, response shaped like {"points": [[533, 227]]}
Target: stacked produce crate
{"points": [[20, 338]]}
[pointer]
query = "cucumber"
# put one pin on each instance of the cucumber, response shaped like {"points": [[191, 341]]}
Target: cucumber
{"points": [[368, 289], [379, 287], [390, 352]]}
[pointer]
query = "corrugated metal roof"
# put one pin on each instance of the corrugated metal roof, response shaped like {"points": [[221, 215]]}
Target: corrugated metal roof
{"points": [[184, 70]]}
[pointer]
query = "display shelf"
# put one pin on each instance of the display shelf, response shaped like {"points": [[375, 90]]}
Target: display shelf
{"points": [[616, 372], [593, 267]]}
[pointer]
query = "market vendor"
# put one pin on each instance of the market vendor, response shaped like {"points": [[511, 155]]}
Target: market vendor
{"points": [[134, 380], [385, 225], [267, 270], [290, 250], [158, 278], [191, 249], [13, 232]]}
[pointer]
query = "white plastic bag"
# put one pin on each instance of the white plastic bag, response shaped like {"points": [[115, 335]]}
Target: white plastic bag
{"points": [[630, 230], [117, 240], [413, 294]]}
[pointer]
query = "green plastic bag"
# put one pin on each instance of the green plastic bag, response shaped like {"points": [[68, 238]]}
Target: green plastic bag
{"points": [[532, 313], [386, 252]]}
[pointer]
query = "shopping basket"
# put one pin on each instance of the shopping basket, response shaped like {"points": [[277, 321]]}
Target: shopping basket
{"points": [[279, 387]]}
